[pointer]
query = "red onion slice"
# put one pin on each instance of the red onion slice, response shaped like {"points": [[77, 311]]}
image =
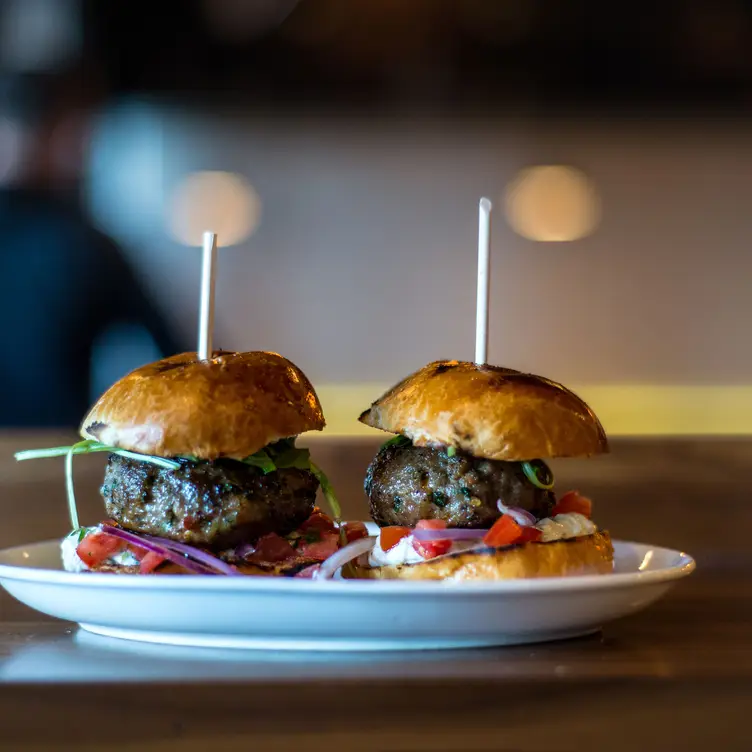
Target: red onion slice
{"points": [[520, 516], [202, 557], [198, 562], [450, 533], [346, 554], [124, 535], [309, 572], [157, 548], [244, 549]]}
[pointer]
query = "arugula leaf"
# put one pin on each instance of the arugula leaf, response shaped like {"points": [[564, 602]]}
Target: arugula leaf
{"points": [[328, 491], [398, 440], [294, 457], [261, 460], [284, 454], [280, 455]]}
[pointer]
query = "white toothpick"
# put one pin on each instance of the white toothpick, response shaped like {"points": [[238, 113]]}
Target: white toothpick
{"points": [[206, 315], [484, 264]]}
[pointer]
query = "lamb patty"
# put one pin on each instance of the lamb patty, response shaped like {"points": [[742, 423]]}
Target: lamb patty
{"points": [[214, 504], [406, 483]]}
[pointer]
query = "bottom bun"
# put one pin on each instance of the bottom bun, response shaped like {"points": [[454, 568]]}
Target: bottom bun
{"points": [[591, 554]]}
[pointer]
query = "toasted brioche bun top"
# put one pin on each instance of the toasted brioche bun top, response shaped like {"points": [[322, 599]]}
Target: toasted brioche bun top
{"points": [[487, 411], [230, 406]]}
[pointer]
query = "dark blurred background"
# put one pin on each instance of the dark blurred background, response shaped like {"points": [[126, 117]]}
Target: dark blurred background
{"points": [[450, 56], [339, 148]]}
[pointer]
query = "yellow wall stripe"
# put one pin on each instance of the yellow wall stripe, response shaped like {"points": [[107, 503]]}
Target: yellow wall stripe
{"points": [[628, 409]]}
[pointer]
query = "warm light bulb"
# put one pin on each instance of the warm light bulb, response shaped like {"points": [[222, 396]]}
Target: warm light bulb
{"points": [[221, 202], [552, 203]]}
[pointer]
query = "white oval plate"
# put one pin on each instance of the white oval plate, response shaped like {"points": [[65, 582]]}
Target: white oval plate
{"points": [[301, 614]]}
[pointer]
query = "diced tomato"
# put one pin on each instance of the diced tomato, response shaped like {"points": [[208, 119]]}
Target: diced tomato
{"points": [[323, 548], [431, 549], [317, 521], [271, 548], [572, 501], [389, 537], [503, 532], [98, 547], [355, 531], [431, 525], [529, 535], [137, 551], [150, 562]]}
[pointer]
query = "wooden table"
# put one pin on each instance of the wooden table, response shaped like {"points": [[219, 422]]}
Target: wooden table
{"points": [[678, 676]]}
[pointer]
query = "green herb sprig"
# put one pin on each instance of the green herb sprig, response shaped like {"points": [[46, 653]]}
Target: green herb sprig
{"points": [[534, 470], [87, 446]]}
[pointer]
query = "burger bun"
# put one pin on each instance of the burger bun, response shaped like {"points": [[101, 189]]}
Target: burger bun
{"points": [[491, 412], [589, 554], [229, 406]]}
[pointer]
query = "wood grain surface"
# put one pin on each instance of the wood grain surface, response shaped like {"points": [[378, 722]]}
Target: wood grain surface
{"points": [[677, 676]]}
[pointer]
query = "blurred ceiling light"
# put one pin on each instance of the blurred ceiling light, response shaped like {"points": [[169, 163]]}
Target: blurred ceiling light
{"points": [[222, 202], [242, 20], [39, 35], [552, 203]]}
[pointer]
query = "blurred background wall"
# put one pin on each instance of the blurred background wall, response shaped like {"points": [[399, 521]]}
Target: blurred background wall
{"points": [[339, 148]]}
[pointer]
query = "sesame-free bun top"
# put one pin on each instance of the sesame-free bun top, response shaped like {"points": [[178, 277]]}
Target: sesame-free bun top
{"points": [[488, 411], [230, 406]]}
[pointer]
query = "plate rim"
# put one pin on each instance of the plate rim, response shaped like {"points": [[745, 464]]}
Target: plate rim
{"points": [[203, 583]]}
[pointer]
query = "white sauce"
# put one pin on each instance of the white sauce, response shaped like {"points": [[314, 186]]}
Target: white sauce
{"points": [[402, 553], [405, 553], [124, 558], [72, 562], [562, 526]]}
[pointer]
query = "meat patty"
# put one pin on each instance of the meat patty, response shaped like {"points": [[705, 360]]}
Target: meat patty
{"points": [[214, 504], [406, 483]]}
